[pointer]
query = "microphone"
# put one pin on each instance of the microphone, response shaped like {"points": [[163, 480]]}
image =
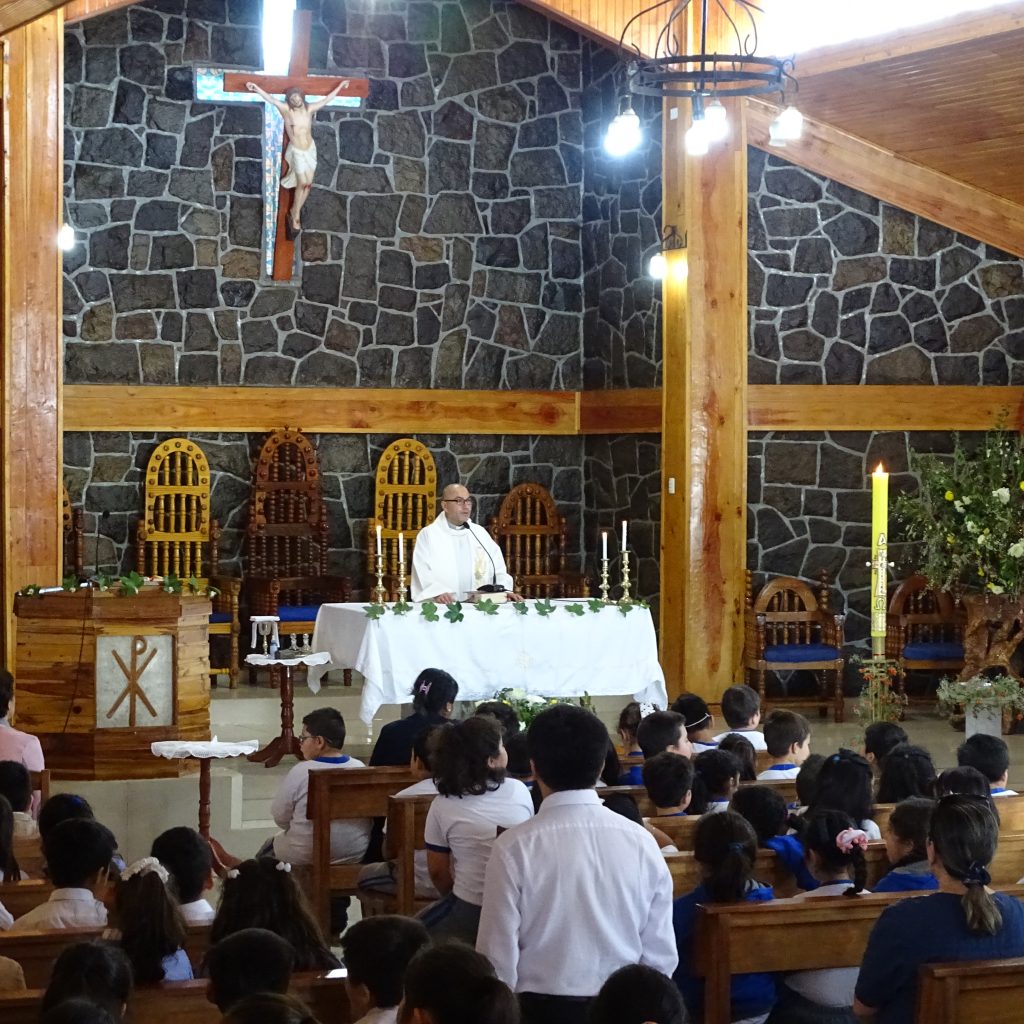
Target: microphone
{"points": [[493, 587]]}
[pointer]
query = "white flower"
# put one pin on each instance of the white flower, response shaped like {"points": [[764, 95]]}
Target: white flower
{"points": [[995, 588], [1003, 494], [958, 505], [1017, 550], [967, 501], [970, 527], [534, 699]]}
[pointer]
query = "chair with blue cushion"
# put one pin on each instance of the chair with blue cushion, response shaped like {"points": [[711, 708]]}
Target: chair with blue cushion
{"points": [[177, 536], [287, 537], [924, 630], [789, 627]]}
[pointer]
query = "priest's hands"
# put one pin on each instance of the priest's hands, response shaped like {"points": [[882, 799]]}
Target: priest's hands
{"points": [[444, 598], [515, 598]]}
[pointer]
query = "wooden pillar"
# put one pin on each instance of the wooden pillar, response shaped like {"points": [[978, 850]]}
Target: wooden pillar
{"points": [[704, 421], [31, 369]]}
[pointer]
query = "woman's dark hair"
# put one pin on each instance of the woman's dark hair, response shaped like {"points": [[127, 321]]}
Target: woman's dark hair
{"points": [[636, 994], [433, 691], [713, 771], [694, 709], [880, 738], [423, 745], [461, 756], [457, 985], [264, 895], [725, 845], [965, 834], [763, 807], [150, 923], [62, 807], [97, 971], [269, 1008], [909, 823], [186, 855], [907, 771], [629, 721], [807, 779], [820, 831], [16, 785], [79, 1011], [9, 870], [844, 784], [519, 756], [743, 749], [504, 713]]}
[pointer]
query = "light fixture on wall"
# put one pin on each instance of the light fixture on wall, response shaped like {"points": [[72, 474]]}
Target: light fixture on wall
{"points": [[671, 240], [624, 133], [707, 78], [66, 237]]}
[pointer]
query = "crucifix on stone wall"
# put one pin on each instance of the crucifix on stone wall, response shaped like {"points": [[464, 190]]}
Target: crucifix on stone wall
{"points": [[284, 193]]}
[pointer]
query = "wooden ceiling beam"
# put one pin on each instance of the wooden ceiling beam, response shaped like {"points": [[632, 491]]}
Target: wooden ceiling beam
{"points": [[15, 13], [896, 180], [79, 10]]}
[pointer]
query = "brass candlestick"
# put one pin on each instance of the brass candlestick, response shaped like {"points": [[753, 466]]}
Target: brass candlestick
{"points": [[625, 577], [380, 595], [605, 589], [402, 590]]}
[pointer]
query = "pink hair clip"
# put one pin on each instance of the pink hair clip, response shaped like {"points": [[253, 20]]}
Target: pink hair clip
{"points": [[425, 687], [851, 837]]}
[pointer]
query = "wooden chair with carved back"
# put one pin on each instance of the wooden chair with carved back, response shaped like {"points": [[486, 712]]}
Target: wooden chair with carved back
{"points": [[176, 536], [534, 539], [73, 537], [404, 501], [924, 630], [287, 536], [789, 627]]}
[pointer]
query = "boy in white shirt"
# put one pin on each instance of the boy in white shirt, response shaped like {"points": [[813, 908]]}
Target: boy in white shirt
{"points": [[991, 756], [668, 778], [321, 743], [741, 709], [787, 736], [376, 951], [78, 854], [663, 730], [188, 859]]}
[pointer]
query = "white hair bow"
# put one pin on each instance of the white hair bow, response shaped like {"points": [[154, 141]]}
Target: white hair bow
{"points": [[146, 866]]}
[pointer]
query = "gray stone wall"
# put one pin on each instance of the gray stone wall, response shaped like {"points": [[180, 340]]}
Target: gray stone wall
{"points": [[845, 289], [442, 244], [106, 472]]}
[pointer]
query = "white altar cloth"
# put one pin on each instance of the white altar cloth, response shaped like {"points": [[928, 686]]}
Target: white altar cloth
{"points": [[560, 655]]}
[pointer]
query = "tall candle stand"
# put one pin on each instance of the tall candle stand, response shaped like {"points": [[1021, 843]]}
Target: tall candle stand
{"points": [[402, 589], [380, 595], [605, 589], [625, 577]]}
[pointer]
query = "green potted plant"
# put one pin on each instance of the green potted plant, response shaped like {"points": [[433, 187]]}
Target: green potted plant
{"points": [[986, 704]]}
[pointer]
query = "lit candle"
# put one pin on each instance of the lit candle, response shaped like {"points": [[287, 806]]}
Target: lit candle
{"points": [[401, 548], [879, 557], [623, 534], [604, 545], [378, 538]]}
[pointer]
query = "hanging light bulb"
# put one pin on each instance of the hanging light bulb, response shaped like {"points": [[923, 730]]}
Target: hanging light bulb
{"points": [[658, 266], [787, 127], [697, 138], [624, 134], [717, 121], [671, 240], [66, 237]]}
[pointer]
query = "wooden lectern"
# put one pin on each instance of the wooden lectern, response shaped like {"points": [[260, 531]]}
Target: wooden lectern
{"points": [[99, 677]]}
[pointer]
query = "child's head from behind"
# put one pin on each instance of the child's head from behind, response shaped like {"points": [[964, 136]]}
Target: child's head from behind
{"points": [[879, 739], [845, 784], [807, 778], [663, 730], [269, 1008], [906, 833], [741, 707], [323, 733], [16, 785], [186, 855], [567, 746], [668, 778], [434, 692], [907, 771], [469, 758], [636, 994], [963, 781], [377, 951], [763, 807], [724, 846], [716, 778], [505, 715], [629, 722], [989, 754], [63, 807], [743, 750], [9, 869], [248, 962], [422, 759], [694, 709], [98, 971], [787, 734], [78, 853], [454, 984], [518, 751], [834, 845]]}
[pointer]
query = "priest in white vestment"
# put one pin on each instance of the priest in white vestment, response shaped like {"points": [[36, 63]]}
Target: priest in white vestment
{"points": [[453, 555]]}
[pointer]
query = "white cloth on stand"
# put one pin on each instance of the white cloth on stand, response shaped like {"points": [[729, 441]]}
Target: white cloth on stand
{"points": [[448, 560], [203, 749]]}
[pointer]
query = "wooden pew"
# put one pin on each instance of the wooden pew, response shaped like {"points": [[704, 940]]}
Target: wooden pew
{"points": [[21, 897], [41, 784], [37, 950], [407, 818], [185, 1002], [967, 993], [338, 794], [763, 760], [1011, 814]]}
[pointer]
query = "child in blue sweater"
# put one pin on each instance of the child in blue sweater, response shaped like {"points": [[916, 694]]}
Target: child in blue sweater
{"points": [[765, 809], [906, 846]]}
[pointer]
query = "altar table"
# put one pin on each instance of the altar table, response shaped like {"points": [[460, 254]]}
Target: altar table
{"points": [[559, 655]]}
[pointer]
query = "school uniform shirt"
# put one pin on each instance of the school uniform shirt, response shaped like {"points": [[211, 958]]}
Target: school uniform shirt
{"points": [[66, 908], [198, 912], [908, 878], [25, 826], [294, 845], [778, 772], [424, 886], [790, 851], [756, 738], [928, 930], [572, 895], [1003, 791], [24, 748], [6, 918], [699, 746], [634, 775], [466, 827], [177, 966], [717, 806], [832, 986]]}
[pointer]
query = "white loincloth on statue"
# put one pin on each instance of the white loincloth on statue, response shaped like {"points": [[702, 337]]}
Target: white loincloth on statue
{"points": [[447, 561], [299, 160]]}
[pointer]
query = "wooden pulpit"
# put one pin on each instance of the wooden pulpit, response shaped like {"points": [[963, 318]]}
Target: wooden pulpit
{"points": [[99, 677]]}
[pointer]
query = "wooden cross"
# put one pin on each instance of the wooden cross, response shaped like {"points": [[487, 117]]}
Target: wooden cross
{"points": [[314, 85]]}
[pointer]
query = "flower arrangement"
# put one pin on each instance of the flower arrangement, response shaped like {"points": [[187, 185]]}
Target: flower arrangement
{"points": [[967, 518], [879, 702], [971, 696], [527, 706]]}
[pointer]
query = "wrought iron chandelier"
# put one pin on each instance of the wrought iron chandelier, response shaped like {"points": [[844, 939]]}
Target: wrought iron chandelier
{"points": [[704, 78]]}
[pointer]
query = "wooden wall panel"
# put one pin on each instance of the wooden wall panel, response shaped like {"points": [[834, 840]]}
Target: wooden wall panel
{"points": [[32, 428], [14, 13], [78, 10]]}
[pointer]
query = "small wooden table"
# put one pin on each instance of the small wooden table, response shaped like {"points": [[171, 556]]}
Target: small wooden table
{"points": [[203, 752], [287, 742]]}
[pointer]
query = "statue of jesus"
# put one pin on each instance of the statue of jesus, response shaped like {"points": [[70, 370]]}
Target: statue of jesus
{"points": [[301, 151]]}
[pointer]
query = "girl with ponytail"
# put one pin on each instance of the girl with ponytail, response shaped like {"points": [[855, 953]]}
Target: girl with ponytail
{"points": [[724, 846], [835, 856], [964, 920]]}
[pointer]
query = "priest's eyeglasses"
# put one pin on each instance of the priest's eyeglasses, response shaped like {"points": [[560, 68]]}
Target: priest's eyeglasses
{"points": [[457, 501]]}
